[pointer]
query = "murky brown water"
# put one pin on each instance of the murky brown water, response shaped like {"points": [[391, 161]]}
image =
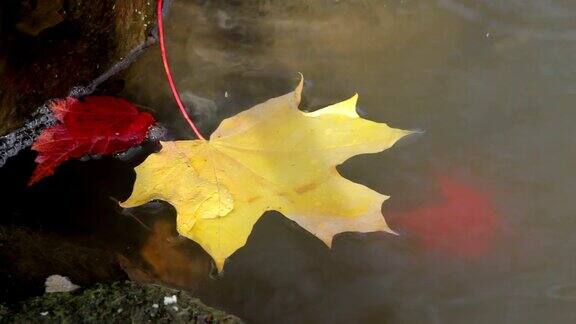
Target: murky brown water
{"points": [[493, 84]]}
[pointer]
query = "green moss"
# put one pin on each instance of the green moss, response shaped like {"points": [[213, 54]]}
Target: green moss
{"points": [[116, 303]]}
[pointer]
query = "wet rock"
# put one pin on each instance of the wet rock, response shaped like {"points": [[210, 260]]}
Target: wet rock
{"points": [[51, 46], [28, 257]]}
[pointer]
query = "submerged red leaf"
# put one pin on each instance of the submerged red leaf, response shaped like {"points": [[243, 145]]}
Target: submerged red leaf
{"points": [[464, 224], [92, 125]]}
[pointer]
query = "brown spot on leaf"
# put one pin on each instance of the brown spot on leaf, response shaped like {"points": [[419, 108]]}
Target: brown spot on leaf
{"points": [[307, 187], [253, 199]]}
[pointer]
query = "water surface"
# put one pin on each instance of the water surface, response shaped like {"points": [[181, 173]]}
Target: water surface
{"points": [[492, 84]]}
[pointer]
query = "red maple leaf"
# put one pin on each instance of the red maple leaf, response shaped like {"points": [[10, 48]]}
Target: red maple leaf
{"points": [[464, 224], [91, 125]]}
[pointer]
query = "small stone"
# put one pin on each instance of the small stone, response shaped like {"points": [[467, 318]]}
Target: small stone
{"points": [[43, 313], [155, 306], [58, 283]]}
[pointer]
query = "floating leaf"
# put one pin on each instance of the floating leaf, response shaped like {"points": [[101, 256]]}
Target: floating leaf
{"points": [[464, 224], [92, 125], [270, 157]]}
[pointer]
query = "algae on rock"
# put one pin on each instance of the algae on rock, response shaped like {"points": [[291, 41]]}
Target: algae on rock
{"points": [[116, 303]]}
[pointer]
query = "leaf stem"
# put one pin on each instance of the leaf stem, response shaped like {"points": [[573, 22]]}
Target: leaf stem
{"points": [[169, 73]]}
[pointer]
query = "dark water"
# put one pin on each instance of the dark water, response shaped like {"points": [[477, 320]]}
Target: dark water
{"points": [[492, 84]]}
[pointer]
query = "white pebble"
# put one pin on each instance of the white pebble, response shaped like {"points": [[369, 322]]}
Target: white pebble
{"points": [[58, 283], [170, 300]]}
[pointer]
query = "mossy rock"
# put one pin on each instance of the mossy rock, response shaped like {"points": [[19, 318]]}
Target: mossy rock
{"points": [[115, 303]]}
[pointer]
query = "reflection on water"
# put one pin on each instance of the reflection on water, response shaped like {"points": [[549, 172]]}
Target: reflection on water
{"points": [[493, 85]]}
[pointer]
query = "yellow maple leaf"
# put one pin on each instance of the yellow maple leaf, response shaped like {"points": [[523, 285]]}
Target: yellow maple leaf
{"points": [[270, 157]]}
